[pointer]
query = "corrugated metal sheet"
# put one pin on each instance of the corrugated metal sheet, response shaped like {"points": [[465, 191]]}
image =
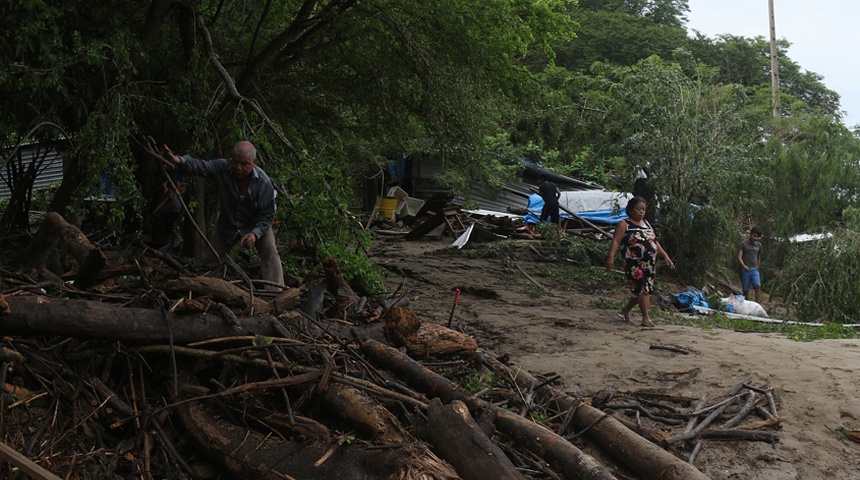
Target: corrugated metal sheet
{"points": [[515, 194], [50, 165]]}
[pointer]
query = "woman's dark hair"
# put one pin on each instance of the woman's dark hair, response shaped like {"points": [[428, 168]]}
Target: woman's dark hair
{"points": [[632, 203]]}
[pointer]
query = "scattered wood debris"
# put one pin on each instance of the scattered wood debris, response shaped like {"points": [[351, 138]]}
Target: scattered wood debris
{"points": [[157, 373]]}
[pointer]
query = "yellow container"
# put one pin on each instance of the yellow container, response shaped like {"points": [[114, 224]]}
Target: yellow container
{"points": [[387, 206]]}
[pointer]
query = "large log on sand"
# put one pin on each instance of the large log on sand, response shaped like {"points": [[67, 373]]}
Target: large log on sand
{"points": [[643, 457], [572, 461]]}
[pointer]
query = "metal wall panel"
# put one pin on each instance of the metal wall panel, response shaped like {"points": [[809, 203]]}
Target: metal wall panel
{"points": [[51, 168]]}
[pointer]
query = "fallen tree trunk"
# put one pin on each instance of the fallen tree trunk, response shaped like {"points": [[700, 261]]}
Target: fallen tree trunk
{"points": [[219, 291], [459, 440], [641, 456], [250, 454], [571, 460], [35, 315], [363, 411]]}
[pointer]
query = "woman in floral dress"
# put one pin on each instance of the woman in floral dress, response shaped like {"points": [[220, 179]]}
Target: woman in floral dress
{"points": [[640, 247]]}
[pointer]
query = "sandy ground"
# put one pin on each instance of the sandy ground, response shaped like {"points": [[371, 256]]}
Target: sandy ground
{"points": [[566, 331]]}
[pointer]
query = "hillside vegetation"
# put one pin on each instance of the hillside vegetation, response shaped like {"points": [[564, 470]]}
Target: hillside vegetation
{"points": [[329, 91]]}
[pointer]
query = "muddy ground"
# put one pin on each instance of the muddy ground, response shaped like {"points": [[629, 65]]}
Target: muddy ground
{"points": [[559, 317]]}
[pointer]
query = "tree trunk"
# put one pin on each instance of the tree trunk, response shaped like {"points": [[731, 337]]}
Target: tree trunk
{"points": [[361, 410], [643, 457], [562, 453], [459, 440], [250, 454], [55, 228], [403, 328], [219, 291], [33, 315]]}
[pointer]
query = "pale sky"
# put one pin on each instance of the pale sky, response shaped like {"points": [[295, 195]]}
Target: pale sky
{"points": [[824, 36]]}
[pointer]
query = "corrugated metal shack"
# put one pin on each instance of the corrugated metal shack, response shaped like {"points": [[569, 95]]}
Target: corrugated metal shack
{"points": [[515, 194]]}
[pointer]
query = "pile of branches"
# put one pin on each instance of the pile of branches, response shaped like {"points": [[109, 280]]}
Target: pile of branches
{"points": [[154, 372], [746, 413]]}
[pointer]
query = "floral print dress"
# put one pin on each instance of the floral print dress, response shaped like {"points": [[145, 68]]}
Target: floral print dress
{"points": [[640, 257]]}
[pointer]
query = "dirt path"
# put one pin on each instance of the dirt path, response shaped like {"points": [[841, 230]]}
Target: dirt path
{"points": [[563, 330]]}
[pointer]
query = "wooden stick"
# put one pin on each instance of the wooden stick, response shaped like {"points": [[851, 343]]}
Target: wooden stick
{"points": [[670, 348], [736, 434], [743, 413], [28, 466], [707, 421], [695, 452], [529, 278], [729, 400]]}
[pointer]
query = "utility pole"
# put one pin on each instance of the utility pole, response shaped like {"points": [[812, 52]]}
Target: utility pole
{"points": [[774, 61]]}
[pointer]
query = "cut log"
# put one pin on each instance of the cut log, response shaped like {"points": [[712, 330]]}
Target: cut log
{"points": [[288, 300], [641, 456], [403, 328], [250, 454], [361, 410], [344, 297], [460, 441], [218, 290], [35, 315], [54, 228], [571, 460], [433, 339]]}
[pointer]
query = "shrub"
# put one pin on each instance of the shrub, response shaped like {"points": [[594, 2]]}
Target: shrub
{"points": [[820, 278]]}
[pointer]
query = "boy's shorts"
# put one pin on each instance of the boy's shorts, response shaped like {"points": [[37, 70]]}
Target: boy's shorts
{"points": [[750, 277]]}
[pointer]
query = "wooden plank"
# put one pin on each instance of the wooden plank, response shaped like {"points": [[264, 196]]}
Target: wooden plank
{"points": [[26, 465]]}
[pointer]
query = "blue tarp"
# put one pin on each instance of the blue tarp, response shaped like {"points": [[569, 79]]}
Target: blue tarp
{"points": [[534, 208], [604, 217], [588, 204]]}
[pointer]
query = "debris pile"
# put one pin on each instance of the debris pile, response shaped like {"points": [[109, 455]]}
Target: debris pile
{"points": [[154, 372]]}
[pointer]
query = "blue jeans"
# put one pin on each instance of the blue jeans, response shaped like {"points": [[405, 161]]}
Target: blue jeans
{"points": [[750, 277]]}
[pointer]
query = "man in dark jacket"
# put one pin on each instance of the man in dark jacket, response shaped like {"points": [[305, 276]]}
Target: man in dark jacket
{"points": [[247, 200], [550, 194]]}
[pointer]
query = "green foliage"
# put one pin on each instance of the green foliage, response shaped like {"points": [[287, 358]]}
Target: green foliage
{"points": [[102, 144], [684, 134], [820, 278], [715, 301], [572, 248], [500, 249], [794, 331], [813, 161], [477, 382], [313, 207], [533, 291], [616, 36]]}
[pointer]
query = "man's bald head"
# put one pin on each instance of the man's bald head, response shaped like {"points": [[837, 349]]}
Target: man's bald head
{"points": [[245, 149], [244, 159]]}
